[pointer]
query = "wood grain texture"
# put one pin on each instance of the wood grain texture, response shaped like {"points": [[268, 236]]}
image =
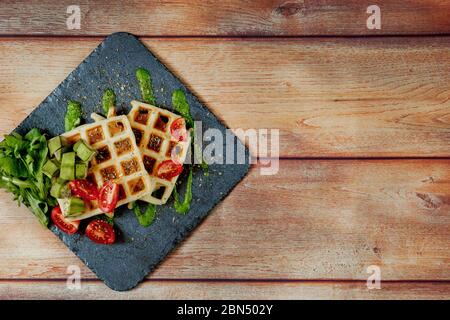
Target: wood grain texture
{"points": [[313, 220], [329, 97], [225, 18], [310, 231], [227, 290]]}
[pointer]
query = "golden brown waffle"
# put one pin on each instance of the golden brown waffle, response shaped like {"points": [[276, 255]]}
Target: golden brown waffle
{"points": [[118, 158], [151, 128]]}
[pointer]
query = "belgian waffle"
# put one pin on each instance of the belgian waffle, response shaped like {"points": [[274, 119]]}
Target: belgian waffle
{"points": [[117, 158], [151, 128]]}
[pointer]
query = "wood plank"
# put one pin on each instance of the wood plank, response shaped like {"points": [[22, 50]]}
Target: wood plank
{"points": [[329, 98], [227, 290], [313, 220], [232, 17]]}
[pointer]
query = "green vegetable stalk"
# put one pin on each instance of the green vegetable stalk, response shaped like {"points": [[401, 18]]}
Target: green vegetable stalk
{"points": [[145, 218], [183, 207], [108, 100], [73, 115], [145, 84]]}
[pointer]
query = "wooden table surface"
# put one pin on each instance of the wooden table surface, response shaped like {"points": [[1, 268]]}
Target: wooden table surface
{"points": [[364, 119]]}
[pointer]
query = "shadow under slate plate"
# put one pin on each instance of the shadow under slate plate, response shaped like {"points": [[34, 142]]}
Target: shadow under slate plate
{"points": [[138, 250]]}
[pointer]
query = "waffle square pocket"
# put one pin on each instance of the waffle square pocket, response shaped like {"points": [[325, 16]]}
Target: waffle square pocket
{"points": [[151, 127], [117, 158]]}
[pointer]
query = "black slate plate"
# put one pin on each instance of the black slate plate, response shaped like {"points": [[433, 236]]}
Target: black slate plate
{"points": [[138, 250]]}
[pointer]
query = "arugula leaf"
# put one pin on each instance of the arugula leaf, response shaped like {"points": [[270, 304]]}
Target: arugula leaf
{"points": [[8, 181], [145, 218], [21, 162], [12, 167], [41, 159], [39, 208], [13, 144], [183, 207], [33, 134]]}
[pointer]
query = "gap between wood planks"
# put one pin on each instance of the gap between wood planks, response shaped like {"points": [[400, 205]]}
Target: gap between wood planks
{"points": [[331, 113], [237, 280], [269, 17], [400, 158], [263, 37]]}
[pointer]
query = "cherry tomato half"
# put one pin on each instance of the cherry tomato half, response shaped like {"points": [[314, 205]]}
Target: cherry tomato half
{"points": [[69, 227], [101, 232], [108, 197], [84, 189], [169, 169], [178, 130]]}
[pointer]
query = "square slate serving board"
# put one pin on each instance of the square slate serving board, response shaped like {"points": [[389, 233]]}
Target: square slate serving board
{"points": [[138, 250]]}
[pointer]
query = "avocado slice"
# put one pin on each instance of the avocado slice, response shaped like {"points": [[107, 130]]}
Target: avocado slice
{"points": [[83, 151], [54, 144], [71, 207], [67, 171], [81, 170], [50, 168]]}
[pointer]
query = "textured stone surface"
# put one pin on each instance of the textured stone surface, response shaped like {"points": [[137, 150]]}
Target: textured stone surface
{"points": [[138, 250]]}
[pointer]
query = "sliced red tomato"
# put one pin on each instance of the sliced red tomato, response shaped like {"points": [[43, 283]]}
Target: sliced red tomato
{"points": [[178, 130], [69, 227], [84, 189], [169, 169], [101, 232], [108, 197]]}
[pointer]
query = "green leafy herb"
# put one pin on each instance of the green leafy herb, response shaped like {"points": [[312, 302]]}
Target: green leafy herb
{"points": [[183, 207], [147, 217], [21, 162], [145, 83], [73, 115], [181, 106], [108, 100]]}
